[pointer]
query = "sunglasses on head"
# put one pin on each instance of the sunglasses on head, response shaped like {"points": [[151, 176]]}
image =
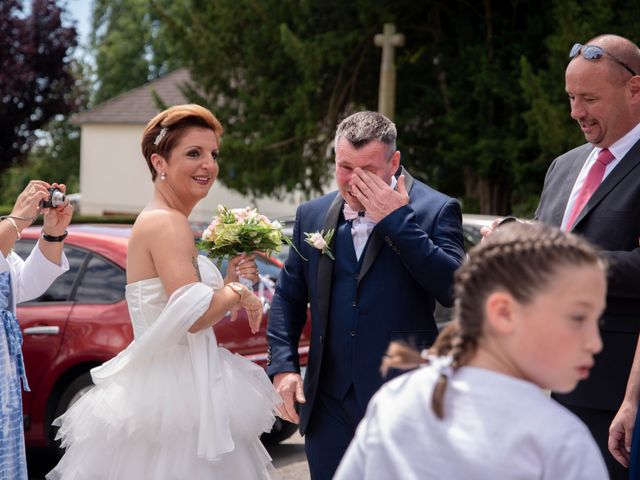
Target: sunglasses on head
{"points": [[594, 52]]}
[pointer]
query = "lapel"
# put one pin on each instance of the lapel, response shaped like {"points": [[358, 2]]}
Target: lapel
{"points": [[325, 264], [567, 184], [628, 163], [375, 241]]}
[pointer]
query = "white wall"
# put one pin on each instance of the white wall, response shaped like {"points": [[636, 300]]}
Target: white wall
{"points": [[114, 178], [113, 174]]}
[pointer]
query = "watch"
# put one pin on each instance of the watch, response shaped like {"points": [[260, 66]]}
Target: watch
{"points": [[53, 238]]}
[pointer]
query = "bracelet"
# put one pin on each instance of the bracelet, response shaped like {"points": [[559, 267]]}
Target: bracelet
{"points": [[14, 225], [237, 288], [53, 238]]}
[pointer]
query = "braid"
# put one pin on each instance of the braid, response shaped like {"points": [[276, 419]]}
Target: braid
{"points": [[400, 356], [461, 348], [519, 258]]}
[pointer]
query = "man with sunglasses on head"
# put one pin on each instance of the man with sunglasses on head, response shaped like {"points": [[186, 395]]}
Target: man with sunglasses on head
{"points": [[594, 191]]}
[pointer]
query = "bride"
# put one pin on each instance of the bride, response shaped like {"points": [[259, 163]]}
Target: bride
{"points": [[174, 405]]}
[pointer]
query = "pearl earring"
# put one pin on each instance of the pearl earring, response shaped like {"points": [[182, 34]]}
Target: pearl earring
{"points": [[163, 176]]}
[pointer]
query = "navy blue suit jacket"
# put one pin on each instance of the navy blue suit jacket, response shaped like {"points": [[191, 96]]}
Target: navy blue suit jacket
{"points": [[408, 264]]}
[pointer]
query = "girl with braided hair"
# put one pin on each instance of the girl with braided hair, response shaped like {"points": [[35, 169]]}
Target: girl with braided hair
{"points": [[527, 304]]}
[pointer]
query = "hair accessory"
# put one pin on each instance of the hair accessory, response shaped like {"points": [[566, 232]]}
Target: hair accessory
{"points": [[442, 365], [161, 135], [163, 176]]}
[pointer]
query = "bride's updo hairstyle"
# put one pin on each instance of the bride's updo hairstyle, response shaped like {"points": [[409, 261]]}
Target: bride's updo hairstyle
{"points": [[165, 130], [518, 258]]}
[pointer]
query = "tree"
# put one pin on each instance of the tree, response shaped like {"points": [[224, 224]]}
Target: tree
{"points": [[129, 46], [35, 75], [55, 157], [480, 105], [280, 74], [550, 130], [457, 100]]}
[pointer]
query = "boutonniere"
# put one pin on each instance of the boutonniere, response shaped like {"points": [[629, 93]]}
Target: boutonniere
{"points": [[321, 241]]}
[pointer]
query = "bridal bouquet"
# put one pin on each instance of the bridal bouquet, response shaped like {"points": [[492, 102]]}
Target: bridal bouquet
{"points": [[241, 230]]}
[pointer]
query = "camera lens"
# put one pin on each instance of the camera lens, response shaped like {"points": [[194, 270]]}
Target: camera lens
{"points": [[57, 198]]}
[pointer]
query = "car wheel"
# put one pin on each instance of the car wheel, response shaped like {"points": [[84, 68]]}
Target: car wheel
{"points": [[71, 395], [281, 431], [73, 392]]}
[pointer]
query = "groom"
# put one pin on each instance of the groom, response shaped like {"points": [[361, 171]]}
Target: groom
{"points": [[396, 245]]}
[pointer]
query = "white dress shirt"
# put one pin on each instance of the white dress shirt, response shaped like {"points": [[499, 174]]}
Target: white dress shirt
{"points": [[361, 228], [619, 149]]}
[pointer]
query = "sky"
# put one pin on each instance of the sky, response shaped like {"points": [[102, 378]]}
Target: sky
{"points": [[80, 11]]}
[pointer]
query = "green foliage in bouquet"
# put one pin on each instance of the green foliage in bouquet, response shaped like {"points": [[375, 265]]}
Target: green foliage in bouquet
{"points": [[241, 230]]}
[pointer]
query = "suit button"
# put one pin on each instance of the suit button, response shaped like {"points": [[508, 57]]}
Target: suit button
{"points": [[321, 339], [357, 276], [353, 333], [354, 304]]}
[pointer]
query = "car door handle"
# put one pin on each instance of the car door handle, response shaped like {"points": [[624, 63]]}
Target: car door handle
{"points": [[44, 330]]}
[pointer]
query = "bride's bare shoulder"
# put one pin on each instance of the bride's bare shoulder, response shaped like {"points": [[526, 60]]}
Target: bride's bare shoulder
{"points": [[162, 225]]}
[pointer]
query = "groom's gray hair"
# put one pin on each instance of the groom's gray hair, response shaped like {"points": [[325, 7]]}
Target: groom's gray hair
{"points": [[363, 127]]}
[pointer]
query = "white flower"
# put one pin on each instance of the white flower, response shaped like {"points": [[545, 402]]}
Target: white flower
{"points": [[321, 241], [207, 235], [317, 241]]}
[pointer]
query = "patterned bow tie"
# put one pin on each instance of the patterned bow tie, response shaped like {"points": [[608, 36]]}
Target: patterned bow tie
{"points": [[351, 214]]}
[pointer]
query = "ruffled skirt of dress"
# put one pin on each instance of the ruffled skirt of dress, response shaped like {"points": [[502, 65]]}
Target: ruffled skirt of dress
{"points": [[168, 410]]}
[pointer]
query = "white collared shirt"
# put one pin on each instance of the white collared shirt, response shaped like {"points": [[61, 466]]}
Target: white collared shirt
{"points": [[361, 228], [619, 149]]}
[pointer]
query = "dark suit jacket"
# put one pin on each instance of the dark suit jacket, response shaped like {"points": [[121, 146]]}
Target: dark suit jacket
{"points": [[407, 265], [611, 222]]}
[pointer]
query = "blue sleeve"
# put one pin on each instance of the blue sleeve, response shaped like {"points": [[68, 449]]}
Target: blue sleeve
{"points": [[431, 258], [288, 310]]}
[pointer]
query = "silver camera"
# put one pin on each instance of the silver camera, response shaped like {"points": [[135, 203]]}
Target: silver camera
{"points": [[56, 198]]}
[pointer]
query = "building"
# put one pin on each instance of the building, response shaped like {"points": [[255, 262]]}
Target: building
{"points": [[115, 179]]}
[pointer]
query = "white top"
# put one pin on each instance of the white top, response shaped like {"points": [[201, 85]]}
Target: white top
{"points": [[619, 149], [494, 427], [30, 278]]}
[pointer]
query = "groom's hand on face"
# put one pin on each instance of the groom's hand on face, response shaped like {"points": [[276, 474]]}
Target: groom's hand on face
{"points": [[378, 198], [290, 387]]}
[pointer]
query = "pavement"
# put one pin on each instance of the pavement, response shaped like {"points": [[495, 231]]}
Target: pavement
{"points": [[290, 460]]}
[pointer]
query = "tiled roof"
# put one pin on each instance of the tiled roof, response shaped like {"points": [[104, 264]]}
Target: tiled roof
{"points": [[139, 105]]}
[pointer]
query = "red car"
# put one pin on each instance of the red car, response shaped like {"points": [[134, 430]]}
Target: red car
{"points": [[82, 320]]}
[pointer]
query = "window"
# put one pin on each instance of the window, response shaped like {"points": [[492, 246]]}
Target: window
{"points": [[101, 282], [61, 288]]}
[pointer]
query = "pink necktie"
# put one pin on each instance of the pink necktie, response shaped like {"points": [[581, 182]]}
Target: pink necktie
{"points": [[591, 183], [351, 214]]}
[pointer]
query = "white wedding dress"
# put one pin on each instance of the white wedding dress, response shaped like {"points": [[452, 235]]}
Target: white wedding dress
{"points": [[172, 405]]}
